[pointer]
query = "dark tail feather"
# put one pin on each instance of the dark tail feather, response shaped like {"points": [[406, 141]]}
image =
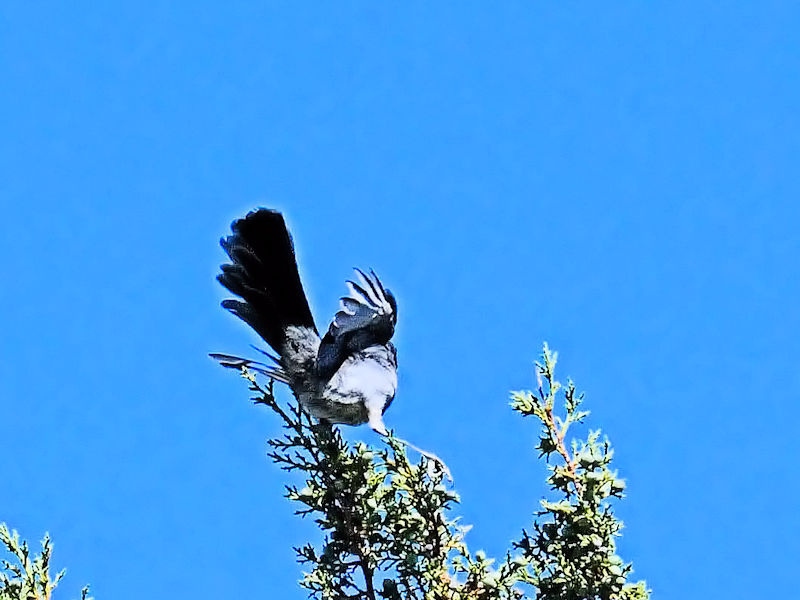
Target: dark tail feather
{"points": [[264, 274], [235, 362]]}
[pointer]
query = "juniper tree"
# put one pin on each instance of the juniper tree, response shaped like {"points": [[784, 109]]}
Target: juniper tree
{"points": [[27, 577], [389, 525]]}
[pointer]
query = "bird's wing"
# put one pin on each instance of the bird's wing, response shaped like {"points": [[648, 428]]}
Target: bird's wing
{"points": [[366, 318], [369, 307]]}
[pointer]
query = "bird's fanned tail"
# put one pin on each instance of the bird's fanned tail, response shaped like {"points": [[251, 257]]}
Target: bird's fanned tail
{"points": [[263, 273]]}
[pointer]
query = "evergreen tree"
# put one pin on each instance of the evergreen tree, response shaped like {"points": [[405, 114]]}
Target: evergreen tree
{"points": [[388, 523], [26, 577], [389, 526]]}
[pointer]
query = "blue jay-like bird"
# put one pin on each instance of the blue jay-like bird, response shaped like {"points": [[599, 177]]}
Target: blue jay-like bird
{"points": [[348, 376]]}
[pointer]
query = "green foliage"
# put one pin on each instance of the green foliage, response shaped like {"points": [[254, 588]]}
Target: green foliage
{"points": [[25, 577], [388, 528], [388, 525], [572, 549]]}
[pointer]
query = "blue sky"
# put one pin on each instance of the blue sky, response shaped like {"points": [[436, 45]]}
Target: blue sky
{"points": [[619, 180]]}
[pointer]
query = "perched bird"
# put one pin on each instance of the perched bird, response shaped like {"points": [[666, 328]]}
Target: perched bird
{"points": [[349, 375]]}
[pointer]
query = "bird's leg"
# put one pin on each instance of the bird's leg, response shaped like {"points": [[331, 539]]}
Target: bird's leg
{"points": [[324, 430]]}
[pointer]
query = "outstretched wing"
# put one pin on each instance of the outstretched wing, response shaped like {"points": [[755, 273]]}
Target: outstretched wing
{"points": [[370, 308], [367, 317]]}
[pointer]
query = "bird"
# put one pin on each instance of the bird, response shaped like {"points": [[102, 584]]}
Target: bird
{"points": [[349, 375]]}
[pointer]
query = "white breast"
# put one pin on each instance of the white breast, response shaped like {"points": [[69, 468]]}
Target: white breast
{"points": [[362, 387]]}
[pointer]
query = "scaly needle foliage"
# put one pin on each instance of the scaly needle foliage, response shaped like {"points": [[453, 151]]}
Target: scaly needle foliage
{"points": [[388, 523], [26, 577]]}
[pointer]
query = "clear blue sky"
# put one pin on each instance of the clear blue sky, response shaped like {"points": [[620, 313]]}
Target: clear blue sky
{"points": [[619, 180]]}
